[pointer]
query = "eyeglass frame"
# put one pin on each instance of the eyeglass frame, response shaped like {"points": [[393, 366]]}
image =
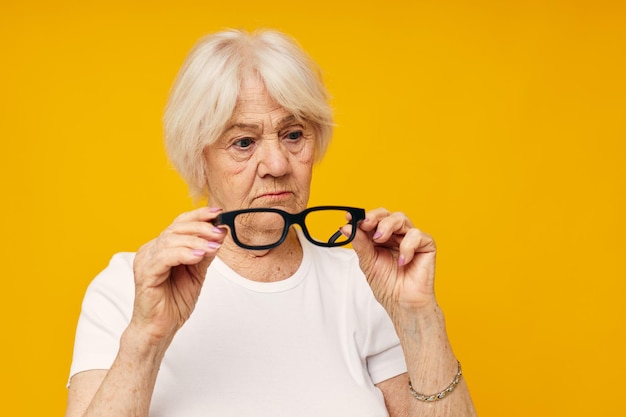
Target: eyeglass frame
{"points": [[228, 219]]}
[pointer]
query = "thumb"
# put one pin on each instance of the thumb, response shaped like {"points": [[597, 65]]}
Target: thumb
{"points": [[363, 246]]}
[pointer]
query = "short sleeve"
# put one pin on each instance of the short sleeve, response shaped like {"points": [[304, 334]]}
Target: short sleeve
{"points": [[380, 345], [105, 314], [385, 358]]}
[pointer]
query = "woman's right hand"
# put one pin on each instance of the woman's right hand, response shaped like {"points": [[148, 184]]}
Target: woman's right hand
{"points": [[169, 273]]}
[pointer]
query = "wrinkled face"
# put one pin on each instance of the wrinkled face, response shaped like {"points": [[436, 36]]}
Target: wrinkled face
{"points": [[264, 158]]}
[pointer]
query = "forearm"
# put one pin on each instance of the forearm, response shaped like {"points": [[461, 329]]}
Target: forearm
{"points": [[432, 365], [128, 386]]}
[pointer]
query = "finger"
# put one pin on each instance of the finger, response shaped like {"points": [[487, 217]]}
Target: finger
{"points": [[200, 241], [153, 268], [202, 214], [200, 237], [363, 246], [393, 224], [372, 218], [194, 243], [415, 242], [195, 228]]}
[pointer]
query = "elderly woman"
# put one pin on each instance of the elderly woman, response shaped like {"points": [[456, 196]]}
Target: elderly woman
{"points": [[233, 311]]}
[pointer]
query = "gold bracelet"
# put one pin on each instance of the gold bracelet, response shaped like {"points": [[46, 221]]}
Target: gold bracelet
{"points": [[440, 395]]}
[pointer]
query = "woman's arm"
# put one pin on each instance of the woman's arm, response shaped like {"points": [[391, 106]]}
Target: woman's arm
{"points": [[432, 366], [125, 389], [169, 272], [399, 263], [83, 387]]}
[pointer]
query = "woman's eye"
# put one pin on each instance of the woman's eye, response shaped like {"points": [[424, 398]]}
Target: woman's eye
{"points": [[243, 143], [294, 135]]}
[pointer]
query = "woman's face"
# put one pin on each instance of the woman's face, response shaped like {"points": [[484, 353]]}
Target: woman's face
{"points": [[264, 157]]}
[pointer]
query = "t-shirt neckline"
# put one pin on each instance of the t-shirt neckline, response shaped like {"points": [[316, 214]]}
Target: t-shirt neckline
{"points": [[268, 287]]}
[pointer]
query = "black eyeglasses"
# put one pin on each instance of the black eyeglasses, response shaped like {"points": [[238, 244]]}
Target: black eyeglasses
{"points": [[267, 228]]}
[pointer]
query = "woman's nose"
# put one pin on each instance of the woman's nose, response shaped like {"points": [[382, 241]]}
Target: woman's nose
{"points": [[273, 159]]}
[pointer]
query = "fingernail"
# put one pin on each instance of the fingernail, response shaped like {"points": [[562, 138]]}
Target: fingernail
{"points": [[214, 209], [213, 245], [377, 235], [401, 260], [199, 252], [218, 230]]}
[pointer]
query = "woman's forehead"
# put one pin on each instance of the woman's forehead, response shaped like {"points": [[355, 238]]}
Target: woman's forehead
{"points": [[257, 109]]}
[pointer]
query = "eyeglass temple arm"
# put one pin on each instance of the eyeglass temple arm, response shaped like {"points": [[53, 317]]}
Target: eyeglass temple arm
{"points": [[334, 237], [337, 234]]}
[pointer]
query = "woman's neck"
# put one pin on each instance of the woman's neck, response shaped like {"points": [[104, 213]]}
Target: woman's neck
{"points": [[266, 265]]}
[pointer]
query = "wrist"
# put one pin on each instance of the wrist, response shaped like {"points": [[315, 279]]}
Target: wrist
{"points": [[431, 363], [139, 343], [422, 334], [419, 318]]}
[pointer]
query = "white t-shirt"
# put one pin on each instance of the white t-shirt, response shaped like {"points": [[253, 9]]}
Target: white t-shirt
{"points": [[314, 344]]}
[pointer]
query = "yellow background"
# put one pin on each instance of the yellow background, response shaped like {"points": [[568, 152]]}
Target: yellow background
{"points": [[498, 126]]}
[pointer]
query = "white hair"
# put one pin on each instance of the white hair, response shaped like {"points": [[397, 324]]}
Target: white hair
{"points": [[205, 93]]}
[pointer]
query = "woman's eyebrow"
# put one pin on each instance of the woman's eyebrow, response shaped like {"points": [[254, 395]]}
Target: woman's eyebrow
{"points": [[259, 125], [243, 125], [286, 120]]}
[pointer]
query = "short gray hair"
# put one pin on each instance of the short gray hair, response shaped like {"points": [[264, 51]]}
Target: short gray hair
{"points": [[205, 93]]}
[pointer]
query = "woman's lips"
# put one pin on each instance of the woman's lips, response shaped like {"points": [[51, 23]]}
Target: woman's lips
{"points": [[276, 196]]}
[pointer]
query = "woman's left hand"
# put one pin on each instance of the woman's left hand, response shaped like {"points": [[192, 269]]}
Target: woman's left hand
{"points": [[398, 261]]}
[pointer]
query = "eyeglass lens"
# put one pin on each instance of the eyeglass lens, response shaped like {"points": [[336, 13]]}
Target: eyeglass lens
{"points": [[266, 228]]}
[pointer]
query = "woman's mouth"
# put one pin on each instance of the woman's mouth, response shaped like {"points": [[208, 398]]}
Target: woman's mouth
{"points": [[276, 196]]}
